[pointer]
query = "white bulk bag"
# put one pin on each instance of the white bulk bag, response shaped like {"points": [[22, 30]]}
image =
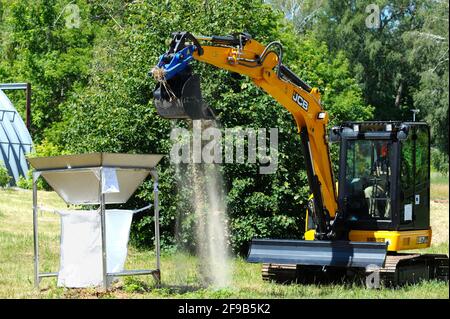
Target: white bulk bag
{"points": [[81, 246]]}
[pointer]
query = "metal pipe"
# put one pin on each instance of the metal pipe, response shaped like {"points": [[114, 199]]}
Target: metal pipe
{"points": [[28, 106], [142, 209], [134, 272], [157, 235], [202, 37], [13, 86], [103, 225], [35, 231], [48, 274]]}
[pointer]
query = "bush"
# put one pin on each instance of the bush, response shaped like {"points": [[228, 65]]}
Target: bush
{"points": [[27, 182], [24, 183], [439, 161], [44, 149], [4, 177]]}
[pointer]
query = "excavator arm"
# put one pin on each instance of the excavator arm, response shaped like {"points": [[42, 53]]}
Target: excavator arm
{"points": [[178, 96]]}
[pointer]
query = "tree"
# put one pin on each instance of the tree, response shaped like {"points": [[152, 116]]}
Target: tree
{"points": [[398, 53], [302, 13], [39, 47], [429, 51], [116, 112]]}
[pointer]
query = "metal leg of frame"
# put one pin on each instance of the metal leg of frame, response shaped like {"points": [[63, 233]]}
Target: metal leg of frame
{"points": [[157, 235], [103, 228], [35, 231]]}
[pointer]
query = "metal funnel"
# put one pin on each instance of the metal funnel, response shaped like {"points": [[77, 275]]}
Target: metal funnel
{"points": [[76, 178]]}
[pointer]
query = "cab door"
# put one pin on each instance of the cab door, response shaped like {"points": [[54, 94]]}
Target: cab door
{"points": [[415, 179], [422, 178]]}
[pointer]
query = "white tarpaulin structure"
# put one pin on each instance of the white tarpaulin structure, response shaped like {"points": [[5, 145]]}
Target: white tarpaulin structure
{"points": [[81, 246], [94, 242], [15, 140]]}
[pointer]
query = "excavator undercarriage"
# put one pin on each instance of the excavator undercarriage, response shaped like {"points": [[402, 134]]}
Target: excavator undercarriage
{"points": [[399, 269]]}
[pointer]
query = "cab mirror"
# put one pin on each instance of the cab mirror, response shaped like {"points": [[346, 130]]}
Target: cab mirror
{"points": [[402, 133], [335, 134]]}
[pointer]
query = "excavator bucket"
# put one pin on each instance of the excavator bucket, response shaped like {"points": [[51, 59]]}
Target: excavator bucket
{"points": [[317, 253], [181, 98]]}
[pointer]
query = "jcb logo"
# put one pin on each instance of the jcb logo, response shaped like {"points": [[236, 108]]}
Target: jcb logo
{"points": [[300, 101]]}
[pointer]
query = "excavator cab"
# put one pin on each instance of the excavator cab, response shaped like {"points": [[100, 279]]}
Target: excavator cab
{"points": [[384, 182]]}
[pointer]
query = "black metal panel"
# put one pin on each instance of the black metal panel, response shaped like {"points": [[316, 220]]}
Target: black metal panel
{"points": [[418, 194], [320, 217]]}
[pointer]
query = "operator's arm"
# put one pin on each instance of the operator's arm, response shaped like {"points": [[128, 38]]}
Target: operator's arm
{"points": [[263, 65]]}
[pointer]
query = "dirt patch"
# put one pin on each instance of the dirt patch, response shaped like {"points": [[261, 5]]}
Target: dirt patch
{"points": [[439, 191], [439, 216]]}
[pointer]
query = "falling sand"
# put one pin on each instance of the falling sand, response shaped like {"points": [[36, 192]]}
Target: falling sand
{"points": [[211, 225], [205, 183]]}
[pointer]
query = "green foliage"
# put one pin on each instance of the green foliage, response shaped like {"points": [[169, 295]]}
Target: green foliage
{"points": [[4, 177], [44, 149], [25, 183], [439, 161], [47, 148], [116, 114], [428, 48], [400, 65], [37, 47], [91, 93]]}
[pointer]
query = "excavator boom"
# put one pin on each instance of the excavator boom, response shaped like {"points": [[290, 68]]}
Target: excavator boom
{"points": [[178, 95]]}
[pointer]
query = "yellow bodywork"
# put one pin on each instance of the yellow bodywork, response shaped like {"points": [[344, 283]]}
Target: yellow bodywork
{"points": [[397, 240], [265, 77]]}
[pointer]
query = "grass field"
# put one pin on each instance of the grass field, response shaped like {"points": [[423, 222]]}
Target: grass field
{"points": [[179, 272]]}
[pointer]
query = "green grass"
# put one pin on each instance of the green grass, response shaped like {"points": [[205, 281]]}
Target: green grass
{"points": [[180, 277], [439, 187], [439, 178]]}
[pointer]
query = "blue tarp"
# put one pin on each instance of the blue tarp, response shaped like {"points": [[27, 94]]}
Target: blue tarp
{"points": [[15, 140]]}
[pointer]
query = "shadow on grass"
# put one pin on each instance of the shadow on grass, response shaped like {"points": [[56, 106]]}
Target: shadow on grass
{"points": [[124, 289], [180, 289], [133, 285]]}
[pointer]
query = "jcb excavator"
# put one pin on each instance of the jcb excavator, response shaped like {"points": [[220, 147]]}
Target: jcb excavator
{"points": [[382, 205]]}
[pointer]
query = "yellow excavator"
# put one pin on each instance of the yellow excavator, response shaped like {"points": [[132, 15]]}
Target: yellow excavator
{"points": [[382, 204]]}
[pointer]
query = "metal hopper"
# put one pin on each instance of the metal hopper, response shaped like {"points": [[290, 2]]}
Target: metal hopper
{"points": [[97, 178], [76, 178]]}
